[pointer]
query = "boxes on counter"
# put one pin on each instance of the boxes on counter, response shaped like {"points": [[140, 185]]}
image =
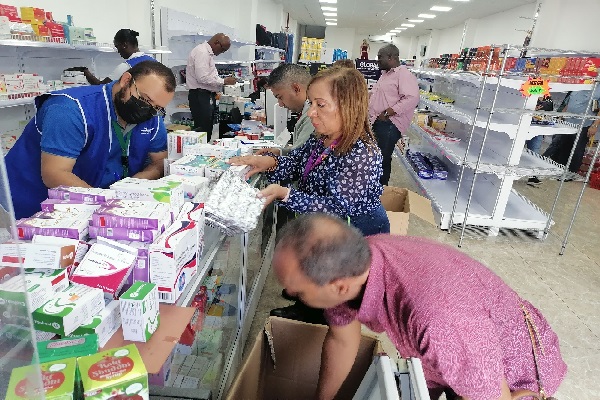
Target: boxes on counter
{"points": [[115, 373], [133, 214], [49, 205], [10, 12], [55, 279], [210, 150], [74, 346], [36, 255], [104, 324], [195, 212], [58, 381], [192, 185], [142, 189], [140, 235], [189, 165], [81, 247], [173, 259], [106, 266], [68, 309], [12, 295], [177, 140], [87, 195], [139, 311]]}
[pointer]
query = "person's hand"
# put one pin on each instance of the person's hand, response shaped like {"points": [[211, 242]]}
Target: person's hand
{"points": [[257, 163], [266, 150], [273, 192], [230, 80], [592, 130]]}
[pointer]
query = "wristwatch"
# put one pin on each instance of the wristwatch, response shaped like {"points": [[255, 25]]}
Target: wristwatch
{"points": [[385, 113]]}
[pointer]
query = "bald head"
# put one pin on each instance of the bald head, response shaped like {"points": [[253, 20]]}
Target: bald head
{"points": [[388, 57], [326, 248], [219, 43]]}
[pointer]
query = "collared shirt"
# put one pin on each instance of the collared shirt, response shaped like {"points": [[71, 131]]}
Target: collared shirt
{"points": [[398, 89], [577, 104], [201, 72], [304, 128], [457, 316], [344, 185], [123, 67]]}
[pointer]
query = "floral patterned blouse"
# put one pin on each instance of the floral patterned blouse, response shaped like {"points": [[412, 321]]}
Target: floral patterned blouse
{"points": [[346, 185]]}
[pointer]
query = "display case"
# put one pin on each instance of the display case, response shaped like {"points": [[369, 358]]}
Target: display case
{"points": [[17, 336]]}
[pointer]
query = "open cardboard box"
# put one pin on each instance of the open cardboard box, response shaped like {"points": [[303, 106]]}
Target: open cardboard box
{"points": [[285, 359], [400, 203]]}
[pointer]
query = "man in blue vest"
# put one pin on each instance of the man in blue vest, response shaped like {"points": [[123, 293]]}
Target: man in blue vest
{"points": [[92, 136]]}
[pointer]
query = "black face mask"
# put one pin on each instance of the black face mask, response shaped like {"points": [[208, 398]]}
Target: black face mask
{"points": [[134, 110]]}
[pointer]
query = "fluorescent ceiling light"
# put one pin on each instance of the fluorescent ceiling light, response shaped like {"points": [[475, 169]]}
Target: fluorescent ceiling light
{"points": [[399, 29], [408, 25], [328, 1], [396, 30], [331, 19], [330, 14], [415, 20], [329, 8], [331, 23], [440, 8], [460, 0], [426, 16]]}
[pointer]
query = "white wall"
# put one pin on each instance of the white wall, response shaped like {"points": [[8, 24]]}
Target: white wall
{"points": [[449, 41], [341, 38], [571, 24], [504, 28]]}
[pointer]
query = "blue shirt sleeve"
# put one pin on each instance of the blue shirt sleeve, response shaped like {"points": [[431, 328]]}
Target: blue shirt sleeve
{"points": [[63, 130], [291, 167], [159, 141]]}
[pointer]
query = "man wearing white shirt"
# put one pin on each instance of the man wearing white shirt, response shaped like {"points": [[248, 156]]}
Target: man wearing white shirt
{"points": [[203, 81]]}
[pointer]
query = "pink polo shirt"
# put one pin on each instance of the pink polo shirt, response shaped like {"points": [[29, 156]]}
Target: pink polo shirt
{"points": [[457, 316], [398, 89]]}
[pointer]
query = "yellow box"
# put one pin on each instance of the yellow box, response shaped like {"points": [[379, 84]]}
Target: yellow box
{"points": [[33, 15]]}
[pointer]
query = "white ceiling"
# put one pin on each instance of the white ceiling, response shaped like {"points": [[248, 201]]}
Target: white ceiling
{"points": [[375, 17]]}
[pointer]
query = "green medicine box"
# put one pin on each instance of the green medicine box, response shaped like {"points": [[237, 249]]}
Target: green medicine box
{"points": [[58, 380]]}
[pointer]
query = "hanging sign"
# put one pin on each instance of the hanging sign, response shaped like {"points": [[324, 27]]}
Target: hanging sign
{"points": [[535, 87]]}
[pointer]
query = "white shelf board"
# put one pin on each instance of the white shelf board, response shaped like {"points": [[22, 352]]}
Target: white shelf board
{"points": [[32, 43], [520, 213], [232, 62], [269, 48], [509, 81], [268, 61], [499, 120], [492, 162], [17, 102]]}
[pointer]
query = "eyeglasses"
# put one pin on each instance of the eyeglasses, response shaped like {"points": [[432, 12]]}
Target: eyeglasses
{"points": [[158, 110]]}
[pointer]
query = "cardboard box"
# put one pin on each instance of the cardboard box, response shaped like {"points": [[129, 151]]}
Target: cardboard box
{"points": [[156, 351], [11, 12], [133, 214], [195, 212], [56, 280], [12, 295], [288, 366], [68, 228], [68, 205], [104, 324], [139, 312], [69, 309], [35, 255], [87, 195], [81, 247], [106, 266], [140, 235], [173, 260], [189, 165], [76, 346], [192, 185], [142, 189], [178, 139], [400, 203], [58, 381], [209, 150], [115, 373]]}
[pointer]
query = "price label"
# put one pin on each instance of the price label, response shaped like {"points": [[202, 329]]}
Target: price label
{"points": [[535, 87]]}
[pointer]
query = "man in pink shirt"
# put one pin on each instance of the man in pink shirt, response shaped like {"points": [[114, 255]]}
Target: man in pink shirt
{"points": [[203, 81], [435, 303], [392, 104]]}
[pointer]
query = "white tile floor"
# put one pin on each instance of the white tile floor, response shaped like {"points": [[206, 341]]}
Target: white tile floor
{"points": [[565, 288]]}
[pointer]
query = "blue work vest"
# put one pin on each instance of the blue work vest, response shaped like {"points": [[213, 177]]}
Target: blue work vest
{"points": [[136, 60], [23, 161]]}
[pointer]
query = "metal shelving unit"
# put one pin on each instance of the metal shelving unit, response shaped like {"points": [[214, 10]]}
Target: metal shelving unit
{"points": [[492, 119], [181, 32]]}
